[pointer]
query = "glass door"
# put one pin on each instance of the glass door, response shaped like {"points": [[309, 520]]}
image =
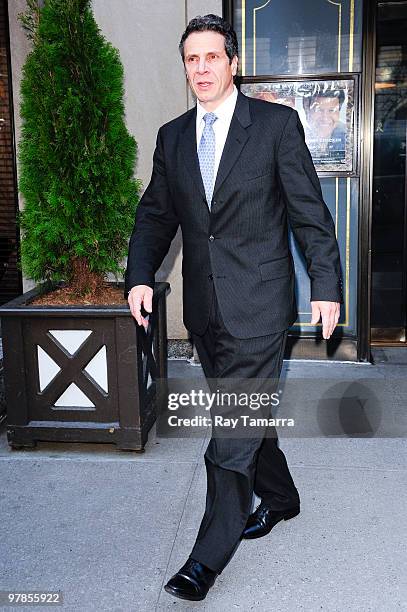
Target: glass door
{"points": [[389, 203]]}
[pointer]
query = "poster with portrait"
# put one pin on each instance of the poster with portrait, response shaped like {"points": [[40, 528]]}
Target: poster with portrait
{"points": [[326, 109]]}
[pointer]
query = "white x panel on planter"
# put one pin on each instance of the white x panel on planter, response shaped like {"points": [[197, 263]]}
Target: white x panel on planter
{"points": [[73, 397], [97, 368], [70, 339], [47, 368]]}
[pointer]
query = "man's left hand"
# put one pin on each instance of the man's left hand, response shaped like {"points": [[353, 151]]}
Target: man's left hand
{"points": [[329, 313]]}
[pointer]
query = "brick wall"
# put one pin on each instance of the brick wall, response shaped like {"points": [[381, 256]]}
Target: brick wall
{"points": [[10, 278]]}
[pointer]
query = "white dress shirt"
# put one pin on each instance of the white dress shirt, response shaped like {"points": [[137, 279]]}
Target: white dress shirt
{"points": [[224, 114]]}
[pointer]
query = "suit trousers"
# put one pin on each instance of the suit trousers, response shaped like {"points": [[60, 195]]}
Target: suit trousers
{"points": [[237, 467]]}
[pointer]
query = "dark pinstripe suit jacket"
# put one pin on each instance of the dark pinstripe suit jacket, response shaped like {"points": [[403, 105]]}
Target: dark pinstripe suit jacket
{"points": [[266, 177]]}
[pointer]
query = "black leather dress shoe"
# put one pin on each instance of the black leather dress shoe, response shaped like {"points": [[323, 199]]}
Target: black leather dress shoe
{"points": [[192, 581], [262, 521]]}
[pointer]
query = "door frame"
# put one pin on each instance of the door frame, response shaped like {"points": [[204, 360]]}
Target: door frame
{"points": [[378, 342]]}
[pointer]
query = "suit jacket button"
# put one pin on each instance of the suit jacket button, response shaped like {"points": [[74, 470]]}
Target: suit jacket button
{"points": [[210, 276], [211, 238]]}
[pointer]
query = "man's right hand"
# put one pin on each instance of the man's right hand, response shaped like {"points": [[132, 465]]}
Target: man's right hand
{"points": [[140, 295]]}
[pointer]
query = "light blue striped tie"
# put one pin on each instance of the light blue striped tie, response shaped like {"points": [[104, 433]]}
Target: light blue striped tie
{"points": [[206, 155]]}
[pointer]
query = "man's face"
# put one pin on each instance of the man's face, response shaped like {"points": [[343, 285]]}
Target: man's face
{"points": [[324, 115], [209, 72]]}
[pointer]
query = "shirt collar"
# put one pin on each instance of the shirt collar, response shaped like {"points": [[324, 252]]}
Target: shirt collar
{"points": [[224, 111]]}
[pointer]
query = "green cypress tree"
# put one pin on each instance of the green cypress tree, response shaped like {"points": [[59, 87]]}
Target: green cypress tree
{"points": [[76, 156]]}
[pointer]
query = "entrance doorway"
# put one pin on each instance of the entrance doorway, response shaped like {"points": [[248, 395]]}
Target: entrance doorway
{"points": [[389, 202]]}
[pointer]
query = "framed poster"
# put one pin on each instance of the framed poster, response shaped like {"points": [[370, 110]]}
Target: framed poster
{"points": [[327, 112]]}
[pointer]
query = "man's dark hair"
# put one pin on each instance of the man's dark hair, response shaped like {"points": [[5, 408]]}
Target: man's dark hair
{"points": [[330, 93], [212, 23]]}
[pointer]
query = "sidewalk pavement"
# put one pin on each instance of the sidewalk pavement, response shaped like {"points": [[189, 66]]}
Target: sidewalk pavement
{"points": [[108, 527]]}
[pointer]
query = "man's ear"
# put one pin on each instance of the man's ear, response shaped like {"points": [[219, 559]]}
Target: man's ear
{"points": [[235, 65]]}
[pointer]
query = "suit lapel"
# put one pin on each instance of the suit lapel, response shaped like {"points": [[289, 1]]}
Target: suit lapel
{"points": [[189, 152], [235, 141]]}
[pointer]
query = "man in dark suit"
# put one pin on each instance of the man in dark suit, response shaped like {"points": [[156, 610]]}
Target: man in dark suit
{"points": [[232, 172]]}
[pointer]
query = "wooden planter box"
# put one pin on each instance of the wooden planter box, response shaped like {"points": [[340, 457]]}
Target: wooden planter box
{"points": [[82, 373]]}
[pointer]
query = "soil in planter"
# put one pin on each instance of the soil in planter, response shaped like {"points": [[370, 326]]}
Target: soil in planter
{"points": [[108, 295]]}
